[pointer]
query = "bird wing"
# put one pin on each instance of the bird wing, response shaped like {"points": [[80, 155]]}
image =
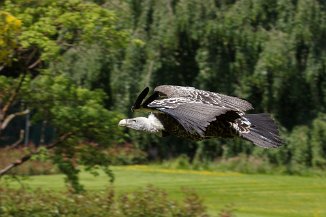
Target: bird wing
{"points": [[193, 115], [140, 99], [206, 97]]}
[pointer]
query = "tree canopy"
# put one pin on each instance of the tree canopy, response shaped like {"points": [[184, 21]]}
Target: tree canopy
{"points": [[38, 36], [271, 53]]}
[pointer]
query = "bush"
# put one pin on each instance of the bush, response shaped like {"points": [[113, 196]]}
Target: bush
{"points": [[39, 165], [245, 164], [126, 154], [153, 202], [147, 202], [181, 162], [42, 165], [241, 163]]}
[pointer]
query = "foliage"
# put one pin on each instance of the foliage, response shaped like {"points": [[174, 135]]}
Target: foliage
{"points": [[79, 111], [256, 163], [39, 165], [309, 145], [55, 27], [69, 108], [43, 33], [10, 28], [126, 154], [318, 142], [240, 163], [149, 201], [74, 59], [271, 53], [247, 193], [156, 203]]}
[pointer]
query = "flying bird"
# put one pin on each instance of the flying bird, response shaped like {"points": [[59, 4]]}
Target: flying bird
{"points": [[197, 114]]}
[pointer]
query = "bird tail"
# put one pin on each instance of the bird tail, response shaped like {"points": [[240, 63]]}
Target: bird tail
{"points": [[263, 130]]}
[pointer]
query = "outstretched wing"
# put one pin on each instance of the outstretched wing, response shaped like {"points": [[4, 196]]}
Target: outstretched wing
{"points": [[206, 97], [193, 115], [194, 109]]}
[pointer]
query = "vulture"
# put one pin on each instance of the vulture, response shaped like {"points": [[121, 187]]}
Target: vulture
{"points": [[196, 114]]}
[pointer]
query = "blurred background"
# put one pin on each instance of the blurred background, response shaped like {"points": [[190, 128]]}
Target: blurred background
{"points": [[70, 70]]}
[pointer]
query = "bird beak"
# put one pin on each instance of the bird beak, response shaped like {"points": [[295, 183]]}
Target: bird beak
{"points": [[123, 123], [132, 108]]}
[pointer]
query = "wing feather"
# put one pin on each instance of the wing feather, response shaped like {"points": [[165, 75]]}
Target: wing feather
{"points": [[171, 102], [206, 97], [194, 117]]}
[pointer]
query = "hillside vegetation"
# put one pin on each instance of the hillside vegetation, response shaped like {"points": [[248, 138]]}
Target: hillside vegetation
{"points": [[70, 70]]}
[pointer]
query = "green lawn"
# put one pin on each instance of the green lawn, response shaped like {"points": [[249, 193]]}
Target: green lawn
{"points": [[251, 195]]}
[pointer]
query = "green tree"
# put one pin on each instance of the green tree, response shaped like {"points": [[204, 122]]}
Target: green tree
{"points": [[271, 53], [33, 81], [318, 142], [299, 143], [10, 28]]}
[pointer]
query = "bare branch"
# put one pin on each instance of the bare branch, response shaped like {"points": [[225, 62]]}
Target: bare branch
{"points": [[12, 116], [28, 156], [33, 65]]}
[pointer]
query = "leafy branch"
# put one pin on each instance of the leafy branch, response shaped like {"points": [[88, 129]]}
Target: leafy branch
{"points": [[27, 157]]}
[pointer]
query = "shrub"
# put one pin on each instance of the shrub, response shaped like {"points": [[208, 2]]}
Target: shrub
{"points": [[42, 165], [181, 162], [126, 154], [241, 163], [36, 166], [153, 202], [245, 164], [146, 202]]}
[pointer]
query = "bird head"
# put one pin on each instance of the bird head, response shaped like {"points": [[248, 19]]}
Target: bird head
{"points": [[139, 123], [150, 124]]}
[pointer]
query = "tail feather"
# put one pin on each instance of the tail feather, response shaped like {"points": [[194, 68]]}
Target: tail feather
{"points": [[263, 131]]}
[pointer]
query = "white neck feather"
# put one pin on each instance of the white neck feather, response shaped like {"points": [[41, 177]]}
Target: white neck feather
{"points": [[154, 124], [150, 124]]}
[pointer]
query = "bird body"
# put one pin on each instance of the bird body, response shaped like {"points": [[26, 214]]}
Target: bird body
{"points": [[197, 114]]}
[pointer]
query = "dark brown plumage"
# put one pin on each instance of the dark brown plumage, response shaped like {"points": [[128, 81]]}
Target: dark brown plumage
{"points": [[197, 114]]}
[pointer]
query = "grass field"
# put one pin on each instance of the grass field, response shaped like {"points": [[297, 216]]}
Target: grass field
{"points": [[250, 195]]}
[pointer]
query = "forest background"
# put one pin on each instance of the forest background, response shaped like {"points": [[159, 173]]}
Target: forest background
{"points": [[71, 69]]}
